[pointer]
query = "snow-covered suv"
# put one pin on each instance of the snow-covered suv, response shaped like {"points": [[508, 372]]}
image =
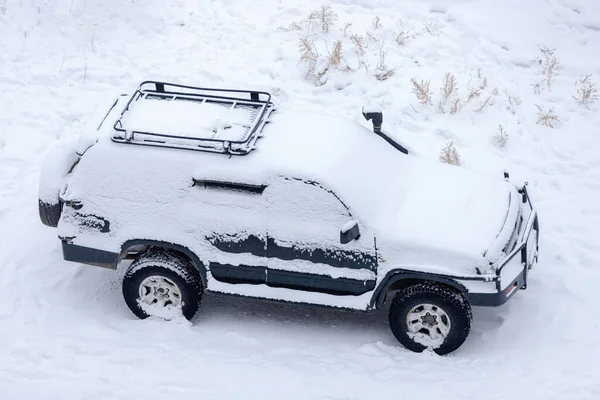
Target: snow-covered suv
{"points": [[207, 189]]}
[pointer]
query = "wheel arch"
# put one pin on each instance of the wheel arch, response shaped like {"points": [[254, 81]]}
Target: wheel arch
{"points": [[138, 246], [398, 279]]}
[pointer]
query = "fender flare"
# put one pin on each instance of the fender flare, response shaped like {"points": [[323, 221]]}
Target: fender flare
{"points": [[399, 275], [198, 264]]}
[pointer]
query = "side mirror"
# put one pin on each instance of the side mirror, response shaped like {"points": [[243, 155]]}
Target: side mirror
{"points": [[349, 232]]}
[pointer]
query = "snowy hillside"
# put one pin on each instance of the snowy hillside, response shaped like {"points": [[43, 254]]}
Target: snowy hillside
{"points": [[511, 70]]}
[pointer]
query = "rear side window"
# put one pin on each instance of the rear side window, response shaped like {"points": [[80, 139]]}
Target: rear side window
{"points": [[305, 202]]}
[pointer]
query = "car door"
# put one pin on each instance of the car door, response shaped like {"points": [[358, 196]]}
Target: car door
{"points": [[304, 250], [234, 226]]}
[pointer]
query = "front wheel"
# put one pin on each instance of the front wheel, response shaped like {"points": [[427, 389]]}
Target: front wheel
{"points": [[428, 315], [163, 285]]}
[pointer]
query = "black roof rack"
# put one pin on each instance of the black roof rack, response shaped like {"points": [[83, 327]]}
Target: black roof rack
{"points": [[187, 117]]}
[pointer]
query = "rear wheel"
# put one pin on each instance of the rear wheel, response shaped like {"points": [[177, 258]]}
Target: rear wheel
{"points": [[50, 212], [428, 315], [163, 285]]}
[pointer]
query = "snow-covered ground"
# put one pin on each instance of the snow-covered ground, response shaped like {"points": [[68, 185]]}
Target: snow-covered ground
{"points": [[65, 331]]}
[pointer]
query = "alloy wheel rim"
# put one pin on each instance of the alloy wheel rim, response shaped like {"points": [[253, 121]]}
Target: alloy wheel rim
{"points": [[161, 291], [428, 323]]}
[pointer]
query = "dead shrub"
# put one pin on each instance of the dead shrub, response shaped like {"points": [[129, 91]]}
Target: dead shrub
{"points": [[546, 117], [421, 91], [448, 89], [501, 137], [449, 154], [586, 91], [335, 57], [324, 18]]}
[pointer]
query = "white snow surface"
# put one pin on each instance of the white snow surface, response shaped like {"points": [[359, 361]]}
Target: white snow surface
{"points": [[188, 118], [65, 330]]}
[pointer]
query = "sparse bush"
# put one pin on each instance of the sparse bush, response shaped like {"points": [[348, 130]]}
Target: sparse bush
{"points": [[550, 69], [473, 94], [382, 70], [513, 103], [483, 105], [432, 28], [421, 90], [448, 89], [359, 44], [501, 137], [402, 37], [335, 57], [449, 154], [321, 58], [308, 53], [586, 91], [456, 106], [324, 18], [346, 29], [547, 118], [377, 24]]}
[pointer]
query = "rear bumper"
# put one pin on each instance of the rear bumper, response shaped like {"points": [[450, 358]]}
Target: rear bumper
{"points": [[87, 255]]}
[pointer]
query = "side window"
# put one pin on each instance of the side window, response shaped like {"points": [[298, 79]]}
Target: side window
{"points": [[305, 203]]}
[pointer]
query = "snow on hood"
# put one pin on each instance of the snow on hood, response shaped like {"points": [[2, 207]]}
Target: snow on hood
{"points": [[450, 207]]}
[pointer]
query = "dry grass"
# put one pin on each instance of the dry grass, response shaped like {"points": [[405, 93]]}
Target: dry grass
{"points": [[346, 29], [551, 66], [501, 137], [473, 94], [550, 70], [586, 91], [449, 154], [359, 44], [447, 90], [513, 103], [335, 56], [432, 28], [536, 86], [382, 70], [402, 37], [421, 90], [456, 106], [546, 117], [308, 52], [483, 105], [316, 31], [377, 24], [323, 17]]}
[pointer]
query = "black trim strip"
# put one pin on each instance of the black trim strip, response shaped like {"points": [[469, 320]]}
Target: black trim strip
{"points": [[335, 258], [238, 273], [318, 283], [252, 244], [289, 279]]}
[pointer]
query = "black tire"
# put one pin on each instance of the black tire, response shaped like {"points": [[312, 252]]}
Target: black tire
{"points": [[50, 213], [176, 268], [450, 301]]}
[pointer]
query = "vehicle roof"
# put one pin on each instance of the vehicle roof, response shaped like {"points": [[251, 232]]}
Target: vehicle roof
{"points": [[337, 152]]}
